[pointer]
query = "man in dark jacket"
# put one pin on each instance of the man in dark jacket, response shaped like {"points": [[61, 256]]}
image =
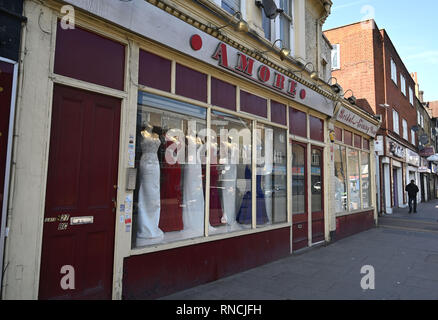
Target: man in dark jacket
{"points": [[412, 191]]}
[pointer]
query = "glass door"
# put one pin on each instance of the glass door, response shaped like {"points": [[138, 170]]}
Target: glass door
{"points": [[317, 194]]}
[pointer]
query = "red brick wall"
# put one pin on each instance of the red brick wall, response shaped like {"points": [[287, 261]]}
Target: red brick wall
{"points": [[366, 68]]}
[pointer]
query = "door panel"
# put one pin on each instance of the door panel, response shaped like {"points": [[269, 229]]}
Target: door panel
{"points": [[317, 194], [82, 176], [299, 196]]}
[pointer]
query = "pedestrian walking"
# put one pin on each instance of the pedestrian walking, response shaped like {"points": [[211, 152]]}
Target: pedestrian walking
{"points": [[412, 191]]}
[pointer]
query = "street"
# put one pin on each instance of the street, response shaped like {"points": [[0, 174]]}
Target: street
{"points": [[403, 250]]}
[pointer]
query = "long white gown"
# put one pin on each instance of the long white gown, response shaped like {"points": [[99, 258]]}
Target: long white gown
{"points": [[193, 198], [149, 193], [228, 177]]}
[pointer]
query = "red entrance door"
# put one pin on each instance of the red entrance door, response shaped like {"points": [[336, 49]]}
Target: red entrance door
{"points": [[299, 196], [317, 194], [82, 179], [6, 79]]}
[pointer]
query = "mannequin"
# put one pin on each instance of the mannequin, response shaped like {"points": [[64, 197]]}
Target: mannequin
{"points": [[171, 197], [229, 178], [193, 193], [149, 192]]}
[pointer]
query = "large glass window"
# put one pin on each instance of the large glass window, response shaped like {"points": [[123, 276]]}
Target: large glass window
{"points": [[271, 178], [168, 202], [365, 172], [340, 178], [298, 179], [230, 173], [353, 179]]}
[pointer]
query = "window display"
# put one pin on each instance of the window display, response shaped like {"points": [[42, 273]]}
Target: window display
{"points": [[298, 179], [353, 178], [340, 178], [365, 172]]}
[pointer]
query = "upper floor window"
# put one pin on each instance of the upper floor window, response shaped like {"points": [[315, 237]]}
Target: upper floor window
{"points": [[405, 129], [394, 71], [231, 6], [403, 84], [336, 57], [286, 22], [411, 96], [413, 137], [395, 122]]}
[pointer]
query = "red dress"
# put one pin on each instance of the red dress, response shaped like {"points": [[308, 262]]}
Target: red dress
{"points": [[171, 196]]}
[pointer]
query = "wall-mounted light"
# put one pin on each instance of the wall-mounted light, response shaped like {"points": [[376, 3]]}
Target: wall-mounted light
{"points": [[241, 26], [313, 74], [352, 98], [335, 86], [284, 52]]}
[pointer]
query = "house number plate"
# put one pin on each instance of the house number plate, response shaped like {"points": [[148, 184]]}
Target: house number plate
{"points": [[81, 220]]}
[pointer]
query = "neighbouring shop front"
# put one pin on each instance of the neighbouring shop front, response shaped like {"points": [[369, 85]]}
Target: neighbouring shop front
{"points": [[176, 157], [354, 171]]}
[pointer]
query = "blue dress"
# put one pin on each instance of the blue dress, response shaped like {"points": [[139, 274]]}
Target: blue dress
{"points": [[245, 212]]}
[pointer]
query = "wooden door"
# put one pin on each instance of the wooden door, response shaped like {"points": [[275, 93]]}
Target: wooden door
{"points": [[82, 179], [299, 196], [317, 194]]}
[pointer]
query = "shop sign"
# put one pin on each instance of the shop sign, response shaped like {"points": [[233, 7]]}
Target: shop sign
{"points": [[147, 20], [397, 150], [427, 151], [355, 121], [412, 158], [423, 170]]}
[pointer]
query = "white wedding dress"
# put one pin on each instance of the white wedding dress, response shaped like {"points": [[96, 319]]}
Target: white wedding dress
{"points": [[149, 193], [229, 177]]}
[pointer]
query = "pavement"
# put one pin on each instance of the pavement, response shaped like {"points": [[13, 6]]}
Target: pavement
{"points": [[403, 250]]}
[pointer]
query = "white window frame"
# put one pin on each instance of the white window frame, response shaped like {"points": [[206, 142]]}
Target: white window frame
{"points": [[394, 71], [411, 96], [395, 122], [413, 137], [242, 8], [405, 129], [338, 59], [421, 120], [276, 28], [403, 84]]}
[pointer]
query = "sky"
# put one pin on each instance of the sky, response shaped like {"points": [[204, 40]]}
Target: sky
{"points": [[412, 27]]}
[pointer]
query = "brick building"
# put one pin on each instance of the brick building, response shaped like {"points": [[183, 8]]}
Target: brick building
{"points": [[366, 64]]}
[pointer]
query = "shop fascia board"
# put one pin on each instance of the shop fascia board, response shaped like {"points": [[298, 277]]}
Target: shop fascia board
{"points": [[174, 33]]}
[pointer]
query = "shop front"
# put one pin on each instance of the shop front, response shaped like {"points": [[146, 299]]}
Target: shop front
{"points": [[176, 156], [352, 152], [412, 169]]}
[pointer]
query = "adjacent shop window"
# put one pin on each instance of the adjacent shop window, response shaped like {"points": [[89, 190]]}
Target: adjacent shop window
{"points": [[278, 113], [169, 198], [365, 176], [191, 83], [316, 129], [154, 71], [353, 179], [298, 179], [340, 163], [298, 122], [336, 57], [253, 104], [352, 173], [230, 173], [223, 94], [271, 175], [316, 180]]}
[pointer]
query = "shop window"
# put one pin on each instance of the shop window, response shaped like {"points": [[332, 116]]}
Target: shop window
{"points": [[354, 179], [340, 164], [338, 134], [169, 198], [154, 71], [365, 172], [357, 141], [230, 173], [278, 113], [253, 104], [190, 83], [348, 137], [366, 144], [316, 129], [271, 175], [87, 56], [223, 94], [298, 122], [316, 180], [298, 179]]}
